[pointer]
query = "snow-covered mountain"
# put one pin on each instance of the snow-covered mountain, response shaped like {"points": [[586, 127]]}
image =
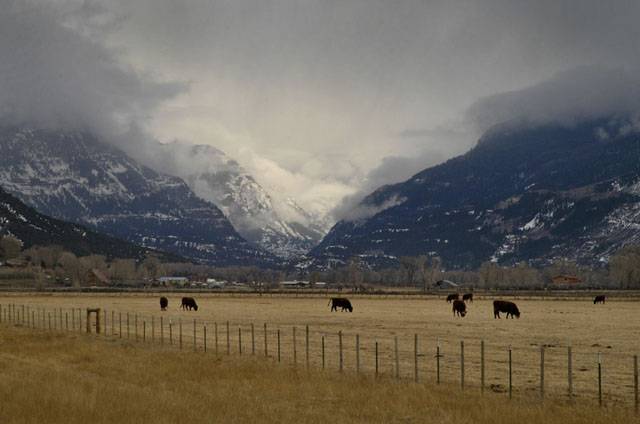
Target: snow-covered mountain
{"points": [[522, 194], [33, 228], [75, 177], [276, 224]]}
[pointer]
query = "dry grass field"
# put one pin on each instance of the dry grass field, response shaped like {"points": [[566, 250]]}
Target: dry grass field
{"points": [[59, 377], [610, 329]]}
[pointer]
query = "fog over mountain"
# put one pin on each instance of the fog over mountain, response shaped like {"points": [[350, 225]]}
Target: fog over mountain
{"points": [[319, 102]]}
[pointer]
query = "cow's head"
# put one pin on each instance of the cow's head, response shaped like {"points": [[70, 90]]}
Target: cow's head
{"points": [[463, 313], [350, 308], [195, 307]]}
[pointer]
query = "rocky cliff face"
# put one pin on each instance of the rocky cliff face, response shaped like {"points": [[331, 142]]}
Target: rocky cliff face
{"points": [[531, 194], [75, 177]]}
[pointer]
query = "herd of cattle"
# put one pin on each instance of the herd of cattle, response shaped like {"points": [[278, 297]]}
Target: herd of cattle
{"points": [[459, 305]]}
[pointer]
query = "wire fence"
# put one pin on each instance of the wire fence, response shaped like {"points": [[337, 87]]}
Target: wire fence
{"points": [[546, 371]]}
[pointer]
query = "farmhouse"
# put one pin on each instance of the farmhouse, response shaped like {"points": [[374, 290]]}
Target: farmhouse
{"points": [[294, 284], [566, 280], [95, 277], [173, 281]]}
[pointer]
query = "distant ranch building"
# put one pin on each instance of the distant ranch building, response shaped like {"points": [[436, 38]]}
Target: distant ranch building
{"points": [[566, 280], [173, 281]]}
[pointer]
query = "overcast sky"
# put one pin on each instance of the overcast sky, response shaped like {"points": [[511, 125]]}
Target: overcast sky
{"points": [[319, 99]]}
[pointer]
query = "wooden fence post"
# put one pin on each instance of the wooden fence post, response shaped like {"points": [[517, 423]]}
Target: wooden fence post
{"points": [[278, 345], [599, 379], [415, 358], [438, 361], [481, 366], [120, 324], [170, 333], [266, 347], [306, 343], [153, 329], [113, 315], [570, 371], [204, 335], [144, 331], [357, 353], [240, 340], [295, 348], [340, 350], [542, 372], [253, 340], [228, 340], [397, 354], [323, 360], [195, 345], [377, 362], [49, 315], [510, 375], [635, 382], [135, 321], [162, 330], [462, 364], [128, 328], [66, 320], [180, 332], [106, 333], [215, 335]]}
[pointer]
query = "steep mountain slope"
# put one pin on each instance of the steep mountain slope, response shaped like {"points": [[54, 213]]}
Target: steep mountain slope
{"points": [[75, 177], [33, 228], [254, 213], [521, 194]]}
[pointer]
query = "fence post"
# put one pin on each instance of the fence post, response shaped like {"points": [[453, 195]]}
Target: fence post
{"points": [[204, 335], [153, 329], [180, 332], [357, 353], [570, 371], [481, 366], [228, 340], [135, 321], [635, 382], [462, 364], [438, 361], [66, 320], [215, 335], [49, 315], [170, 333], [377, 363], [599, 379], [144, 331], [162, 330], [542, 372], [266, 347], [195, 345], [105, 323], [278, 345], [240, 340], [340, 350], [395, 341], [295, 350], [128, 328], [253, 340], [306, 343], [323, 362], [33, 317], [113, 315], [510, 375], [1, 312], [415, 358], [120, 324]]}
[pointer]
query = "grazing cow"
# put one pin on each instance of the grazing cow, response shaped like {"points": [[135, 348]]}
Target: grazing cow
{"points": [[452, 297], [467, 296], [189, 303], [503, 306], [164, 302], [459, 308], [340, 302], [599, 299]]}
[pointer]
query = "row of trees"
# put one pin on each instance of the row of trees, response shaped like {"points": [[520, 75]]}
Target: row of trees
{"points": [[53, 262]]}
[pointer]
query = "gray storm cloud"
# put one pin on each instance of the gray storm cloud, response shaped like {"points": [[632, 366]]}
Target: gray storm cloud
{"points": [[56, 72]]}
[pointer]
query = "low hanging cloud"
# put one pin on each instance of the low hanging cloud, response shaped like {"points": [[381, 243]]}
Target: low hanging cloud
{"points": [[57, 72], [569, 97]]}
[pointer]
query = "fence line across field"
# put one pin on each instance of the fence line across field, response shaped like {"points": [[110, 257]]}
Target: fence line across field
{"points": [[546, 369]]}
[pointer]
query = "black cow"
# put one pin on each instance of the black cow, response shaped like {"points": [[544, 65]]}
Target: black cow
{"points": [[467, 296], [189, 303], [164, 302], [503, 306], [340, 302], [452, 297], [459, 308], [599, 299]]}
